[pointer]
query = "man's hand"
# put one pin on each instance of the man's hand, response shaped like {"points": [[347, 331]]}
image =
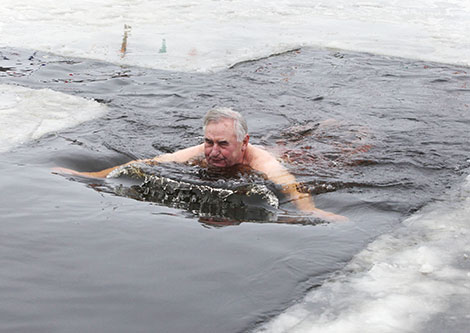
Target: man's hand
{"points": [[102, 173], [304, 202], [331, 217], [99, 174]]}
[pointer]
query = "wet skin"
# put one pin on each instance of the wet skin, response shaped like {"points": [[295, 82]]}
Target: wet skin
{"points": [[221, 147]]}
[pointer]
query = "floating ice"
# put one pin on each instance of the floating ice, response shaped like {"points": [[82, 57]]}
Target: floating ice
{"points": [[248, 202], [27, 114]]}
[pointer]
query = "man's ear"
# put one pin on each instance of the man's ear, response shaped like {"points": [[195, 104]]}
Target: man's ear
{"points": [[245, 142]]}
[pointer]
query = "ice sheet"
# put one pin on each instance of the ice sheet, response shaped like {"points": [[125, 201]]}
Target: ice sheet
{"points": [[399, 282], [27, 114], [210, 35]]}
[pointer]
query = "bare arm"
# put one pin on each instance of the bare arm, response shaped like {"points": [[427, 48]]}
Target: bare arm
{"points": [[179, 156], [267, 164], [92, 174]]}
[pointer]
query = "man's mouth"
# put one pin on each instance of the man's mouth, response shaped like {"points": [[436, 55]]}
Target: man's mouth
{"points": [[216, 161]]}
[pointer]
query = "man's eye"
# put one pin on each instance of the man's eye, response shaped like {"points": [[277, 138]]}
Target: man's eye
{"points": [[223, 144], [208, 142]]}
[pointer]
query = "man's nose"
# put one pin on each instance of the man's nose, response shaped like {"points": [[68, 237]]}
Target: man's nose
{"points": [[215, 150]]}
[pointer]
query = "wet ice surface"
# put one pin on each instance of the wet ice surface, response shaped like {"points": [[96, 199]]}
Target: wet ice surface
{"points": [[211, 35], [215, 194], [413, 279], [28, 114], [376, 137]]}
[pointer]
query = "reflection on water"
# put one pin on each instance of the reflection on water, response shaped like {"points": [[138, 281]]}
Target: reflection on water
{"points": [[373, 138]]}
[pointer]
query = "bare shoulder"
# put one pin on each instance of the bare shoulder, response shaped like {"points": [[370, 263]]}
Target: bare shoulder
{"points": [[258, 153], [262, 160]]}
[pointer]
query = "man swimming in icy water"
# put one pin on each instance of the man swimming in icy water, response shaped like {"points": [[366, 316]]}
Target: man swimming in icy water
{"points": [[225, 145]]}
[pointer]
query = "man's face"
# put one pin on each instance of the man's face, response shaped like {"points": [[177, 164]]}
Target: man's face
{"points": [[221, 147]]}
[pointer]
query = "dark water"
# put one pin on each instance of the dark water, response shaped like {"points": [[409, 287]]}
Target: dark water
{"points": [[375, 139]]}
